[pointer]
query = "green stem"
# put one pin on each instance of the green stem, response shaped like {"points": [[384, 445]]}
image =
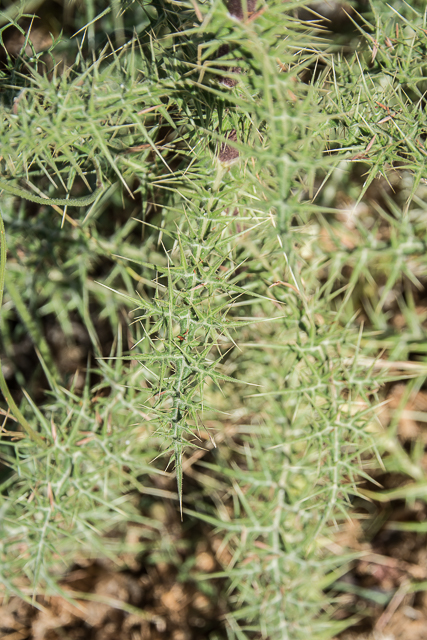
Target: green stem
{"points": [[3, 385], [60, 202]]}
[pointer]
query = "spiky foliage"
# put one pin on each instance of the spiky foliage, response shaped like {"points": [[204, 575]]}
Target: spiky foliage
{"points": [[215, 211]]}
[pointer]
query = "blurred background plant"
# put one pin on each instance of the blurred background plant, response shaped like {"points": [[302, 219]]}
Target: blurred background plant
{"points": [[217, 329]]}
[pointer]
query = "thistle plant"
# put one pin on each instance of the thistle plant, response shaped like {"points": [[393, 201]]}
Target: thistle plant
{"points": [[187, 321], [186, 218]]}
